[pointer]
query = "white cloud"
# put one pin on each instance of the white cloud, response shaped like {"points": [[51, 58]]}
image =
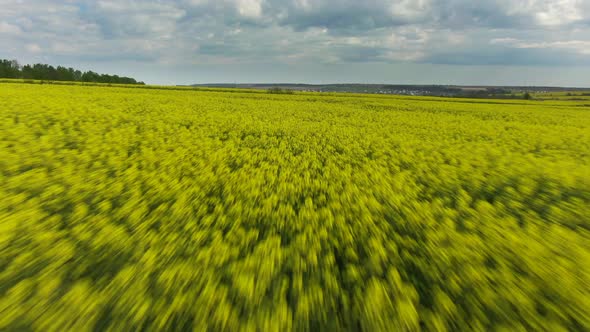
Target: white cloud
{"points": [[303, 4], [249, 8], [508, 40], [33, 48], [560, 12], [579, 46], [410, 9], [8, 28], [546, 12]]}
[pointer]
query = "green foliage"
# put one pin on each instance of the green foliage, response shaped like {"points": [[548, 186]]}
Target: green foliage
{"points": [[125, 209]]}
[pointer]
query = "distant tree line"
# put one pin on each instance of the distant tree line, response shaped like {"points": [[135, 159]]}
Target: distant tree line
{"points": [[278, 90], [12, 69]]}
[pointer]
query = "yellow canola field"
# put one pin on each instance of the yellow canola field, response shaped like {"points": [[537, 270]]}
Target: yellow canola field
{"points": [[151, 209]]}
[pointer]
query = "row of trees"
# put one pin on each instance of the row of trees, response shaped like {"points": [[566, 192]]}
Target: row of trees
{"points": [[12, 69]]}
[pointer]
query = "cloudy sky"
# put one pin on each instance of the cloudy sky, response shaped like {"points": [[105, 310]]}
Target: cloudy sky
{"points": [[498, 42]]}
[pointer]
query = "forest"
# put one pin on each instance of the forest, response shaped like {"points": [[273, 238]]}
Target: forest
{"points": [[45, 72]]}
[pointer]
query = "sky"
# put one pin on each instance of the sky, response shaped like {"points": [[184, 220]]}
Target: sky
{"points": [[470, 42]]}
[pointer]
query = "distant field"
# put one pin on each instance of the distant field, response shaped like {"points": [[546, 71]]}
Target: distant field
{"points": [[159, 209], [573, 95]]}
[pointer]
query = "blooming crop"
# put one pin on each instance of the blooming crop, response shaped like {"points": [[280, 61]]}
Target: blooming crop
{"points": [[129, 209]]}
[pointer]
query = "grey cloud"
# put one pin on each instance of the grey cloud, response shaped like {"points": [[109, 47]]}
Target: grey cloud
{"points": [[132, 18], [362, 54], [349, 14], [459, 14], [505, 56]]}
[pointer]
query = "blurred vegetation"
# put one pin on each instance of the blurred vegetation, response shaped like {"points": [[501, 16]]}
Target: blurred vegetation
{"points": [[124, 209]]}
